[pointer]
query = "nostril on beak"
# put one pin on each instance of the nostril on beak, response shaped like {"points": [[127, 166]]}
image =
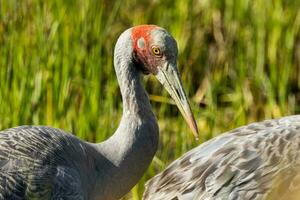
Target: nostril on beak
{"points": [[179, 94]]}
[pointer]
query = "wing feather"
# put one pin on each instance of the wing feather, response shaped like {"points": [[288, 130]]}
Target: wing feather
{"points": [[249, 163], [35, 164]]}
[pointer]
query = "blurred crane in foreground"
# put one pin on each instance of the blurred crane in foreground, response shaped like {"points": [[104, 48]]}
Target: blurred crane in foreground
{"points": [[260, 161], [39, 162]]}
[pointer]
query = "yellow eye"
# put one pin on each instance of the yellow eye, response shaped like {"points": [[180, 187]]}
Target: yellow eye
{"points": [[156, 51]]}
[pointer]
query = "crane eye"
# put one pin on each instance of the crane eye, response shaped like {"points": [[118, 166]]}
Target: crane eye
{"points": [[156, 51]]}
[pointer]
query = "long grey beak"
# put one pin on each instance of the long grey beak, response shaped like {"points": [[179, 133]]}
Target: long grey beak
{"points": [[168, 76]]}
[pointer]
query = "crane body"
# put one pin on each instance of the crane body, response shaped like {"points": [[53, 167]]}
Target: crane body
{"points": [[259, 161]]}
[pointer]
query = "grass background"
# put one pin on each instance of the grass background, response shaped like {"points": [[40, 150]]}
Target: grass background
{"points": [[239, 61]]}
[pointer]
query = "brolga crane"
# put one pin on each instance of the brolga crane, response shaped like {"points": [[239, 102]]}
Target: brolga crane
{"points": [[39, 162], [259, 161]]}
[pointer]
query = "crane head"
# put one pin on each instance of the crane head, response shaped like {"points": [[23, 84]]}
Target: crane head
{"points": [[155, 52]]}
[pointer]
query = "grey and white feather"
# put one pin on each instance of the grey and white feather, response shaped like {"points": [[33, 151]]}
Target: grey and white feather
{"points": [[254, 162]]}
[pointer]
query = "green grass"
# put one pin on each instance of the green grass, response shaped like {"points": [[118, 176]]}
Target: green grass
{"points": [[239, 61]]}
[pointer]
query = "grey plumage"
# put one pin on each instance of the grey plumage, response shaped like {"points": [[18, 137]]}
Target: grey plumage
{"points": [[34, 164], [38, 162], [253, 162]]}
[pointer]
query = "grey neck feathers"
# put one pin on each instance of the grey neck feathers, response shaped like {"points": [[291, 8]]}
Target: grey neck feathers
{"points": [[129, 151]]}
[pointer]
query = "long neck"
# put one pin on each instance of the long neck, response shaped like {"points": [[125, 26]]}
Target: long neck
{"points": [[129, 151]]}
